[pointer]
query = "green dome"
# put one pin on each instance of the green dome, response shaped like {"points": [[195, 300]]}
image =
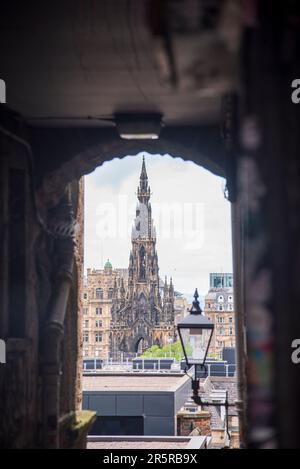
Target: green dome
{"points": [[107, 265]]}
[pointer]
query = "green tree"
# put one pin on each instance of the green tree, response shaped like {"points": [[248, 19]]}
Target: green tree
{"points": [[170, 351]]}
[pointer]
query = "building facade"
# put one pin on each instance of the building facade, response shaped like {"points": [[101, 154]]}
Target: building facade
{"points": [[98, 293], [181, 307], [141, 316], [219, 308]]}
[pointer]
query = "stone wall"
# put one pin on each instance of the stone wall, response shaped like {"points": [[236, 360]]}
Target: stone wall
{"points": [[19, 305], [29, 263]]}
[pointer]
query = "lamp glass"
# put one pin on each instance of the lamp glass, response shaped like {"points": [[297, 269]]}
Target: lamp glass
{"points": [[195, 342]]}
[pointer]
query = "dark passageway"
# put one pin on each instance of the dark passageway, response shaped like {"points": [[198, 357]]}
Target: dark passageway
{"points": [[209, 81]]}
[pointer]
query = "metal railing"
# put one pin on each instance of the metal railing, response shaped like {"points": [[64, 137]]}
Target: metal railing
{"points": [[136, 363]]}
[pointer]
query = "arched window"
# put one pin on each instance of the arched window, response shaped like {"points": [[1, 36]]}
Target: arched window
{"points": [[221, 299], [110, 293], [142, 263], [99, 293]]}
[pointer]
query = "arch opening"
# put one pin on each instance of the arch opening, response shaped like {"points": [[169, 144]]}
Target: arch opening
{"points": [[140, 346], [168, 230], [206, 149]]}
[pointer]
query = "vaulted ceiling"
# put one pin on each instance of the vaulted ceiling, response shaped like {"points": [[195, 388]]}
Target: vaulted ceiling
{"points": [[77, 62]]}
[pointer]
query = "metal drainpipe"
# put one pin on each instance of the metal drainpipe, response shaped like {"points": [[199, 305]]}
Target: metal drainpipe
{"points": [[54, 330], [238, 273], [53, 334]]}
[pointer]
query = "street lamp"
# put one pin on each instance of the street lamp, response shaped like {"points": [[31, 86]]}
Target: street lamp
{"points": [[195, 333]]}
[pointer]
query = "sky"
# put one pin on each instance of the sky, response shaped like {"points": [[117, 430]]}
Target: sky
{"points": [[190, 213]]}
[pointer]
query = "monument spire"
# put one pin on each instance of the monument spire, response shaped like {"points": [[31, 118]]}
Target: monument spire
{"points": [[142, 313], [143, 191]]}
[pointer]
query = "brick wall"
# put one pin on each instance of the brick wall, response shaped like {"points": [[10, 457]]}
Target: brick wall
{"points": [[187, 422]]}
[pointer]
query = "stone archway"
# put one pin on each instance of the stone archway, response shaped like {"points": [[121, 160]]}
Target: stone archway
{"points": [[141, 336], [202, 150], [140, 345], [55, 183]]}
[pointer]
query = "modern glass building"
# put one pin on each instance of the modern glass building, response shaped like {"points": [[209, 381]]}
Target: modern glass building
{"points": [[221, 280]]}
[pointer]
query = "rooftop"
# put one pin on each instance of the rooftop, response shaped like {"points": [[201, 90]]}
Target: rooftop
{"points": [[133, 382], [150, 442], [135, 444], [211, 384], [108, 265], [213, 293]]}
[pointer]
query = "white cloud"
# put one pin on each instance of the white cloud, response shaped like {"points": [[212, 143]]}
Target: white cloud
{"points": [[195, 241]]}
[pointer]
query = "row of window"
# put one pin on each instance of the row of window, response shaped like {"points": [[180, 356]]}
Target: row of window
{"points": [[222, 331], [97, 352], [221, 320], [221, 307], [221, 299], [98, 323], [222, 343], [99, 294], [86, 336], [98, 311]]}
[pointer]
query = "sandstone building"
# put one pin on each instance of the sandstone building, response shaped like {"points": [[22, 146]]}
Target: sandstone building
{"points": [[97, 300], [181, 307], [219, 308]]}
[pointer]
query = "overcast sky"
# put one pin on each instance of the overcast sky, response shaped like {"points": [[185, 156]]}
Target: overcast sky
{"points": [[190, 213]]}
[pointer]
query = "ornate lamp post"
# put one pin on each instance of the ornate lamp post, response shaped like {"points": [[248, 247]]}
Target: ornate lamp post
{"points": [[195, 333]]}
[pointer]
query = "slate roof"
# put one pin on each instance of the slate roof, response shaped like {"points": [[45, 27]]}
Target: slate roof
{"points": [[212, 383]]}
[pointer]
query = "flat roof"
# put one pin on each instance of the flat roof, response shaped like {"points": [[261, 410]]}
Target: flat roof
{"points": [[147, 442], [133, 382], [136, 444]]}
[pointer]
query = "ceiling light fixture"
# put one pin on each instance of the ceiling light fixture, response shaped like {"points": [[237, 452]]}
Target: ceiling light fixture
{"points": [[139, 126]]}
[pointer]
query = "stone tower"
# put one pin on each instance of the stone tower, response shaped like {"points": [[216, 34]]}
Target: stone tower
{"points": [[141, 316]]}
